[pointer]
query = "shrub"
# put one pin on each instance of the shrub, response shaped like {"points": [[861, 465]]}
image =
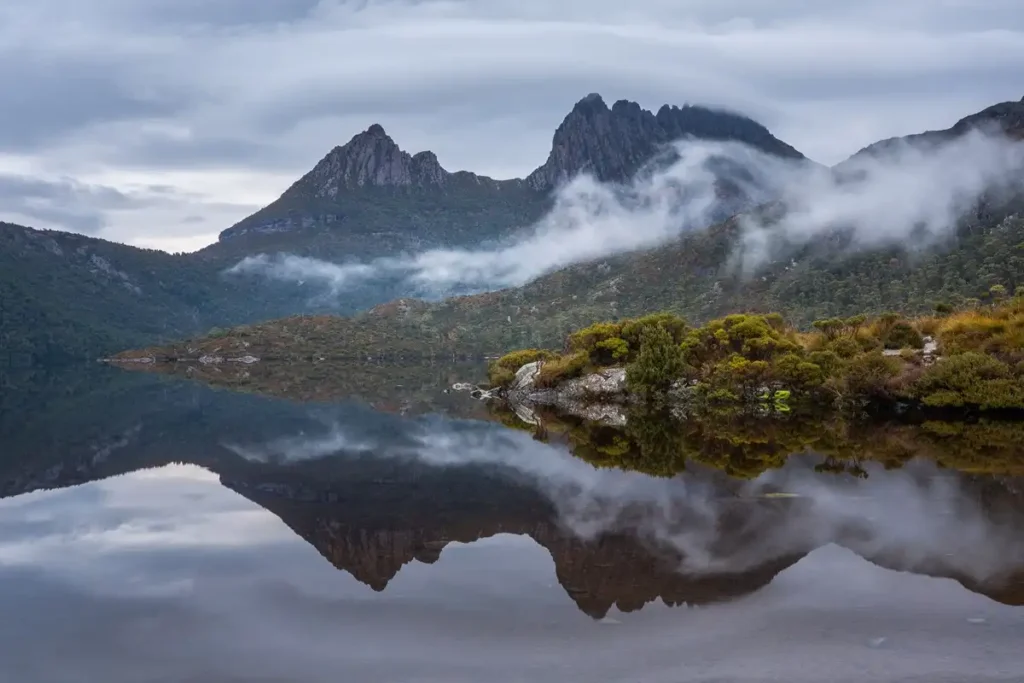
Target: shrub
{"points": [[844, 347], [633, 329], [902, 334], [562, 368], [502, 371], [659, 362], [588, 338], [794, 371], [971, 379], [868, 374], [611, 350], [830, 328], [500, 377], [828, 361]]}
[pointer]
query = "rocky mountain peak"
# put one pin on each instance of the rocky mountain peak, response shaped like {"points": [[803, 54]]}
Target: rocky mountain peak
{"points": [[372, 159], [613, 143]]}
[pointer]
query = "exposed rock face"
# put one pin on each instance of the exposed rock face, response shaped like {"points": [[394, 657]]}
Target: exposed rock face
{"points": [[614, 143], [372, 158], [600, 397]]}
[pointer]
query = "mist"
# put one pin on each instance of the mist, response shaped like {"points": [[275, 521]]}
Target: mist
{"points": [[905, 193], [915, 518]]}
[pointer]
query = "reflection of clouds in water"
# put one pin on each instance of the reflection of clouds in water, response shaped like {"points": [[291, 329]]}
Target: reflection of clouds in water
{"points": [[146, 518], [301, 447], [917, 516]]}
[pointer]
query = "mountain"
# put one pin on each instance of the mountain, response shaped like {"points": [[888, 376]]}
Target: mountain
{"points": [[64, 295], [370, 198], [614, 143], [695, 276]]}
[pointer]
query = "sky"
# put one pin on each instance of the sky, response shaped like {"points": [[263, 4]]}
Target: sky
{"points": [[161, 122]]}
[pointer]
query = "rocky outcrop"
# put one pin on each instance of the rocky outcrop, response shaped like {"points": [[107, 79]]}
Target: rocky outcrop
{"points": [[614, 143], [372, 159], [601, 397]]}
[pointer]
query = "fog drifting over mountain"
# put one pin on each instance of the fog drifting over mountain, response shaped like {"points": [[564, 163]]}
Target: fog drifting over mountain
{"points": [[907, 194]]}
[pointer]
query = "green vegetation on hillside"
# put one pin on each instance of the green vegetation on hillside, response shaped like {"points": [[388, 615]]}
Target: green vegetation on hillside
{"points": [[690, 278], [976, 358]]}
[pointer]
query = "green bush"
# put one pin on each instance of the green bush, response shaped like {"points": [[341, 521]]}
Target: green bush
{"points": [[502, 371], [902, 335], [795, 372], [844, 347], [633, 329], [659, 363], [588, 338], [612, 350], [971, 379], [869, 374], [562, 368]]}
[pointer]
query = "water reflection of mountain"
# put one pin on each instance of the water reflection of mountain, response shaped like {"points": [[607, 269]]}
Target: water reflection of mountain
{"points": [[318, 468]]}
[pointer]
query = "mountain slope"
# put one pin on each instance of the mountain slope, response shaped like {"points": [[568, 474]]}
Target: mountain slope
{"points": [[64, 295], [693, 276]]}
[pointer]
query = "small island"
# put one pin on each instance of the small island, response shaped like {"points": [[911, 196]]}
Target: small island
{"points": [[967, 360]]}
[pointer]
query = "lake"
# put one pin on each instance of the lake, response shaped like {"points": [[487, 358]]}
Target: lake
{"points": [[369, 525]]}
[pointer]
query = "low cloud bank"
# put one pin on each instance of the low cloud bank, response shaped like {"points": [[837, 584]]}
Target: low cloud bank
{"points": [[905, 193]]}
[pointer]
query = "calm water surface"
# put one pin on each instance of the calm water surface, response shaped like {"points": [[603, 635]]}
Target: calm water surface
{"points": [[158, 530]]}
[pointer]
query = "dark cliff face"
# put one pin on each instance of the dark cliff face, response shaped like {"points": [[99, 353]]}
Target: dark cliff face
{"points": [[372, 159], [614, 143]]}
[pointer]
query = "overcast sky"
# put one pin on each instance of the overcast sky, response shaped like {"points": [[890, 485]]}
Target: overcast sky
{"points": [[161, 122]]}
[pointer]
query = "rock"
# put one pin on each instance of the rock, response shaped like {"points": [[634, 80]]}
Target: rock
{"points": [[606, 383], [613, 143], [525, 378], [597, 397]]}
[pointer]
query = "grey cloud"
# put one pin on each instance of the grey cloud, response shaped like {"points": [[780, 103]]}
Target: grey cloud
{"points": [[66, 202], [270, 87]]}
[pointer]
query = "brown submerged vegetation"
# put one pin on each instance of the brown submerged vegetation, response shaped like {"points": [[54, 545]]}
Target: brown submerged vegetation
{"points": [[971, 358]]}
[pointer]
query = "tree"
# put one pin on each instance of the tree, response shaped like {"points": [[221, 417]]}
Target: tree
{"points": [[658, 364]]}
